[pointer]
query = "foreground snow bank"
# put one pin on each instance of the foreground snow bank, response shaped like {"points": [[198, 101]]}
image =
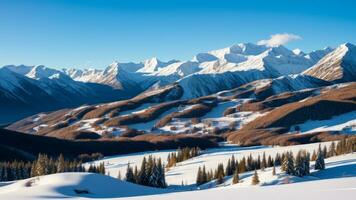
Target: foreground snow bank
{"points": [[65, 185], [344, 188]]}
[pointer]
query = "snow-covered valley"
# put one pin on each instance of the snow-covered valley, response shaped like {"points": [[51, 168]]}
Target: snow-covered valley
{"points": [[339, 178]]}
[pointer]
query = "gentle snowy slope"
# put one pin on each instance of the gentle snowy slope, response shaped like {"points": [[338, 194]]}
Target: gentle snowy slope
{"points": [[186, 171], [336, 181]]}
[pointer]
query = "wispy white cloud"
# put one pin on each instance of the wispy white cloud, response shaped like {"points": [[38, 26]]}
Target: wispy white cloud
{"points": [[279, 39]]}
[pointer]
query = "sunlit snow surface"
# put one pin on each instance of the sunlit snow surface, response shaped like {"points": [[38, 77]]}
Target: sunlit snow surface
{"points": [[346, 123], [337, 181]]}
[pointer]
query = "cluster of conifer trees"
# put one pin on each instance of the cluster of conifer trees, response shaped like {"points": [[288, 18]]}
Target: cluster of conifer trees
{"points": [[43, 165], [182, 155], [151, 173], [297, 166]]}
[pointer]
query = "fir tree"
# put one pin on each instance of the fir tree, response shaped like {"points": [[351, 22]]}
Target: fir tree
{"points": [[142, 176], [129, 174], [60, 164], [319, 162], [288, 163], [235, 178], [255, 179], [199, 179]]}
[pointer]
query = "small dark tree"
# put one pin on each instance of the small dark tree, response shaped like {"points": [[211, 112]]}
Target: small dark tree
{"points": [[235, 178], [319, 162], [255, 179]]}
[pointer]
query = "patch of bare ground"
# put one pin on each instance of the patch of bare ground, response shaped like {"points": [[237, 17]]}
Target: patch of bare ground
{"points": [[271, 128]]}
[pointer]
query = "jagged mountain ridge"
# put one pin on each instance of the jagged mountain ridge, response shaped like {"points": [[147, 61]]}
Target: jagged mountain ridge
{"points": [[205, 74]]}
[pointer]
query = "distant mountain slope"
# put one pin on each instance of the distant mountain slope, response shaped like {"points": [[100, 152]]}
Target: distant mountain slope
{"points": [[21, 96], [207, 73], [337, 66]]}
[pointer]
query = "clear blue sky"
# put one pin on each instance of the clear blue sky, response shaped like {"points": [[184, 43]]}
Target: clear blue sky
{"points": [[82, 33]]}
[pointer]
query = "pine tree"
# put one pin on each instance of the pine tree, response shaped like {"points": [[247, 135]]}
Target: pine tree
{"points": [[313, 158], [142, 176], [153, 178], [161, 175], [288, 163], [220, 174], [299, 163], [255, 179], [199, 179], [242, 165], [60, 164], [277, 160], [306, 163], [325, 152], [264, 161], [235, 178], [228, 170], [129, 174], [270, 162], [319, 162], [332, 150], [204, 175], [274, 171]]}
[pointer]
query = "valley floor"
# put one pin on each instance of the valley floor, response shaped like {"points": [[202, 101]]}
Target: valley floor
{"points": [[338, 180]]}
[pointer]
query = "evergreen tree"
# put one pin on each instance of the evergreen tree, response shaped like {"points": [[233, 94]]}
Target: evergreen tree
{"points": [[142, 176], [264, 161], [274, 171], [255, 179], [161, 175], [288, 163], [199, 180], [332, 150], [153, 178], [235, 178], [204, 175], [277, 160], [129, 174], [313, 158], [299, 164], [60, 164], [242, 165], [319, 162]]}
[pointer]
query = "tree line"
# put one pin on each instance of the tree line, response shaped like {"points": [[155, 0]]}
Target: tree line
{"points": [[298, 165], [182, 155], [43, 165], [151, 173]]}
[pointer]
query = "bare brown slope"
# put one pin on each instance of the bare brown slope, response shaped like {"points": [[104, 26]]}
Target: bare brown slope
{"points": [[276, 101], [332, 102]]}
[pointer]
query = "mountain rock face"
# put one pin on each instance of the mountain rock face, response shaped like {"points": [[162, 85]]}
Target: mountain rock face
{"points": [[337, 66], [31, 89], [43, 89]]}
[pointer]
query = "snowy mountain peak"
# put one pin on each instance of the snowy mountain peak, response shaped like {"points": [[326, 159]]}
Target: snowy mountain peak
{"points": [[242, 48], [298, 52], [338, 65], [42, 72], [154, 64], [248, 49]]}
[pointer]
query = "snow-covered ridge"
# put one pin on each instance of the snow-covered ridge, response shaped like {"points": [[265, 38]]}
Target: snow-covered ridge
{"points": [[338, 65], [207, 73]]}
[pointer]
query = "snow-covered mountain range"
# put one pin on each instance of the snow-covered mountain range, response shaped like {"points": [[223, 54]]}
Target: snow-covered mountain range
{"points": [[31, 89]]}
